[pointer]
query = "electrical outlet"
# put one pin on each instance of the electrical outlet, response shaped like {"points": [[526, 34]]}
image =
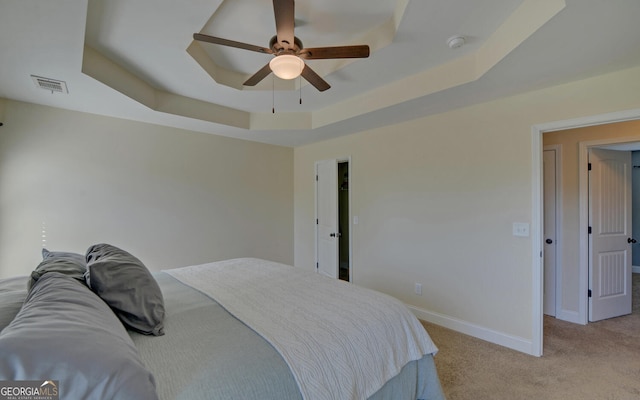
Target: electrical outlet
{"points": [[418, 289]]}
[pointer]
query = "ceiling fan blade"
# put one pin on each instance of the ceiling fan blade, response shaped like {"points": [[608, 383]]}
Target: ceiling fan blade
{"points": [[231, 43], [314, 79], [319, 53], [258, 76], [284, 11]]}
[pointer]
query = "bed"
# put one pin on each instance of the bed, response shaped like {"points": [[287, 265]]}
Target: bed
{"points": [[243, 328]]}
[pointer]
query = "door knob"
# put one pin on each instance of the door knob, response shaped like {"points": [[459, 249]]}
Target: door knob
{"points": [[631, 240], [332, 234], [549, 241]]}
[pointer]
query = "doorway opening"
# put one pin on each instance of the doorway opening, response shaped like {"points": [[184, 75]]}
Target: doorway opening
{"points": [[577, 311], [343, 221], [574, 279]]}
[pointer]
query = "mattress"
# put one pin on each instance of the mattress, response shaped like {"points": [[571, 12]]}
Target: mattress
{"points": [[207, 353]]}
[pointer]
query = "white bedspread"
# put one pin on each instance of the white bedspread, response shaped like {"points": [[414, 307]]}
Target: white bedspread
{"points": [[340, 341]]}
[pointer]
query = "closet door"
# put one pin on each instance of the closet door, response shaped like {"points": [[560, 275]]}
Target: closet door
{"points": [[610, 239], [327, 218]]}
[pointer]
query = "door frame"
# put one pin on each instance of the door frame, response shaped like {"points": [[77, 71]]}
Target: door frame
{"points": [[558, 233], [537, 214], [337, 160]]}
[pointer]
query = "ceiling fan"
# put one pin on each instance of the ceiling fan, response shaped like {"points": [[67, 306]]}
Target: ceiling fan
{"points": [[289, 53]]}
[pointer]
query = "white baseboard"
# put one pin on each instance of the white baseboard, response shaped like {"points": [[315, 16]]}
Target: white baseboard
{"points": [[570, 316], [513, 342]]}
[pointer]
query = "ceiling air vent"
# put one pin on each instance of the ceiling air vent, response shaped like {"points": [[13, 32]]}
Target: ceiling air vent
{"points": [[52, 85]]}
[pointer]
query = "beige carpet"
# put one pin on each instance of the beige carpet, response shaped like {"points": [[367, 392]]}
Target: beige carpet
{"points": [[599, 361]]}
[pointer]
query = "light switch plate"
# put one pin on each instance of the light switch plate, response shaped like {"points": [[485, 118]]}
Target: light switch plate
{"points": [[521, 229]]}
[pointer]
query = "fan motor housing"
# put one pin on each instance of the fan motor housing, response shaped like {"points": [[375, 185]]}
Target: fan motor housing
{"points": [[278, 49]]}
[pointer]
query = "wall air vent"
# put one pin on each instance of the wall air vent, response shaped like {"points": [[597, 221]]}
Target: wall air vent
{"points": [[52, 85]]}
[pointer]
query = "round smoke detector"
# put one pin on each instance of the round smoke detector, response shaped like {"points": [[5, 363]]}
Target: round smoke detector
{"points": [[455, 41]]}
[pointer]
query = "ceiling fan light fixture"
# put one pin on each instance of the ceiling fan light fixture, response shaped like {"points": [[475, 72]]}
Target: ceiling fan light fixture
{"points": [[286, 66]]}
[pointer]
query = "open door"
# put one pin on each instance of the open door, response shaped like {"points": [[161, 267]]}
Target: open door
{"points": [[327, 218], [610, 238], [550, 229]]}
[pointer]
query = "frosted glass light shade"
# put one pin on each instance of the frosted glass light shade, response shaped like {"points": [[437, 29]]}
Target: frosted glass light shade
{"points": [[286, 66]]}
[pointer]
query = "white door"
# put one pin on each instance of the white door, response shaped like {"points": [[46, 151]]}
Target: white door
{"points": [[609, 241], [550, 246], [327, 217]]}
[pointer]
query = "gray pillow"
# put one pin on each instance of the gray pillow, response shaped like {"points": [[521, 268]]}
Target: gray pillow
{"points": [[71, 264], [127, 286], [13, 291], [65, 332]]}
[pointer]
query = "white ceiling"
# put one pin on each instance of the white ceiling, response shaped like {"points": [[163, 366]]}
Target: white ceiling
{"points": [[136, 59]]}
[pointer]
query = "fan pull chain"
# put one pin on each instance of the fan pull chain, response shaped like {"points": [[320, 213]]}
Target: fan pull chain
{"points": [[300, 84], [273, 95]]}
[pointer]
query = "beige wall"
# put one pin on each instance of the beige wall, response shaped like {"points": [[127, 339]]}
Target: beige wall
{"points": [[436, 199], [569, 140], [171, 197]]}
